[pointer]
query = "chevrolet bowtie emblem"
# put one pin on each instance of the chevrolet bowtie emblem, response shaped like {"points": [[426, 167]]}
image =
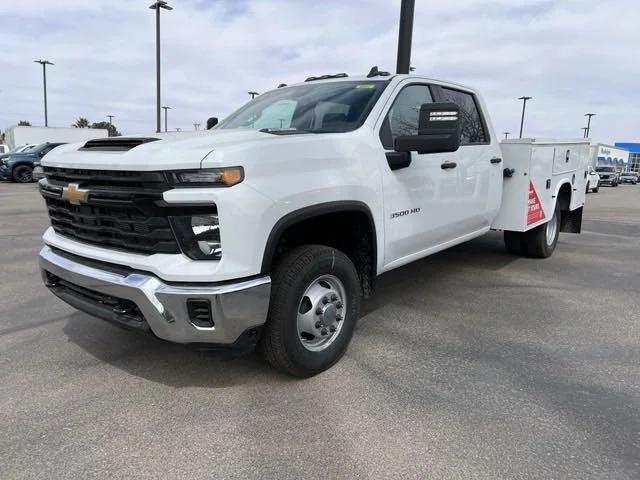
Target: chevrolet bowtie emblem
{"points": [[75, 195]]}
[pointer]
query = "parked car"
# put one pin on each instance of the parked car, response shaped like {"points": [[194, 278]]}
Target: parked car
{"points": [[608, 176], [23, 148], [629, 177], [593, 181], [19, 166]]}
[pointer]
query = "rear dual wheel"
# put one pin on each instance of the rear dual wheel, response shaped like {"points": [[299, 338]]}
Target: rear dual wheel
{"points": [[315, 303], [539, 242]]}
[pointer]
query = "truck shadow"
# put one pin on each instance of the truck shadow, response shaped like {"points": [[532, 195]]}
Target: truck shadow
{"points": [[485, 253], [177, 366]]}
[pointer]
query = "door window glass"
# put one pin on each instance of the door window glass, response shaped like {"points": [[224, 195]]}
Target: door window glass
{"points": [[404, 115], [471, 125]]}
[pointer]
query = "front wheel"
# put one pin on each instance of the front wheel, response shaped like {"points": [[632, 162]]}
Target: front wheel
{"points": [[595, 190], [23, 174], [315, 303]]}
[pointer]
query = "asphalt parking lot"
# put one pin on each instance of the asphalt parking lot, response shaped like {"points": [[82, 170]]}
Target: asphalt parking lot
{"points": [[469, 364]]}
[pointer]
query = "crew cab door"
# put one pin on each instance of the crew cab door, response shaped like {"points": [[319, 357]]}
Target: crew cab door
{"points": [[439, 198]]}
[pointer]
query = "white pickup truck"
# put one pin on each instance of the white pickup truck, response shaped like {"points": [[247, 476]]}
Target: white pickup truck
{"points": [[269, 229]]}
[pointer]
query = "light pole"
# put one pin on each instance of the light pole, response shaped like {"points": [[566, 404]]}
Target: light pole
{"points": [[110, 117], [524, 106], [44, 64], [165, 117], [405, 36], [196, 125], [588, 115], [253, 94], [506, 135], [157, 6], [584, 132]]}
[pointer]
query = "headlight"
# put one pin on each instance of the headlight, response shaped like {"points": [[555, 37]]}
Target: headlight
{"points": [[198, 236], [208, 177]]}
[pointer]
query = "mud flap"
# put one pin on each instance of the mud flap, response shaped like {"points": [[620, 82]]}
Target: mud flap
{"points": [[571, 221]]}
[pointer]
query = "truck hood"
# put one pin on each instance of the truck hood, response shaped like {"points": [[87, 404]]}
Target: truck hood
{"points": [[172, 151]]}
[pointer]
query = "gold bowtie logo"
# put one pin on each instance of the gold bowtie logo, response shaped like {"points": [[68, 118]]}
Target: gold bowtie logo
{"points": [[75, 195]]}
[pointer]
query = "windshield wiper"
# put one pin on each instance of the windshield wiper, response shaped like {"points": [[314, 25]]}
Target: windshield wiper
{"points": [[285, 131]]}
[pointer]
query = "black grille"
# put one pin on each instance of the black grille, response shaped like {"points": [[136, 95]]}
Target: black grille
{"points": [[123, 210], [154, 181], [114, 309]]}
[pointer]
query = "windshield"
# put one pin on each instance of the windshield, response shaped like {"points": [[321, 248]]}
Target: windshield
{"points": [[605, 169], [317, 108], [21, 149]]}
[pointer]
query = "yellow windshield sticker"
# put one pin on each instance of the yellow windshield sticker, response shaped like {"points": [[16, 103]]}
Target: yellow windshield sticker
{"points": [[365, 85]]}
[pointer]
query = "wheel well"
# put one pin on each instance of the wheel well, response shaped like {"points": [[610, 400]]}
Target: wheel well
{"points": [[349, 229], [564, 197], [570, 221]]}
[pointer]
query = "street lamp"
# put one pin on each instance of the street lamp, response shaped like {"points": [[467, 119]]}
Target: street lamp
{"points": [[253, 94], [44, 64], [405, 36], [588, 115], [157, 6], [165, 117], [524, 106], [584, 132], [110, 117], [506, 135], [196, 125]]}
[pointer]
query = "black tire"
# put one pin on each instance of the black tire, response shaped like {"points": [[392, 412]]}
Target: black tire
{"points": [[514, 242], [23, 174], [295, 271], [536, 242], [595, 190]]}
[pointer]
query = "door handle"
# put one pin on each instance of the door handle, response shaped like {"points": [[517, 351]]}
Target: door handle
{"points": [[496, 160], [448, 165]]}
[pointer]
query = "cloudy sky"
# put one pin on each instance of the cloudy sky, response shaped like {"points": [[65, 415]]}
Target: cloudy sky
{"points": [[572, 56]]}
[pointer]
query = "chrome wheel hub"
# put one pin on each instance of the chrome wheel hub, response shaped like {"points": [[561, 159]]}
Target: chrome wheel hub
{"points": [[320, 313]]}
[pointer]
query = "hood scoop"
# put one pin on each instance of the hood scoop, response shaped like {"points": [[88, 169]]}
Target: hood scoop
{"points": [[117, 144]]}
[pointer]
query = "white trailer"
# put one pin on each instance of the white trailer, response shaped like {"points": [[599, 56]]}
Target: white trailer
{"points": [[18, 135]]}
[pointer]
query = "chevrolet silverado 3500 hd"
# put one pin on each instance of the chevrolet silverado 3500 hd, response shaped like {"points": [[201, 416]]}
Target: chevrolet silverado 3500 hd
{"points": [[268, 229]]}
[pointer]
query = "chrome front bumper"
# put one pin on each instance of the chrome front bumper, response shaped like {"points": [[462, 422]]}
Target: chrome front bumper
{"points": [[236, 308]]}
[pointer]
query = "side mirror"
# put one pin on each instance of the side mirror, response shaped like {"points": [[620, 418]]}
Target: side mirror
{"points": [[212, 122], [438, 130]]}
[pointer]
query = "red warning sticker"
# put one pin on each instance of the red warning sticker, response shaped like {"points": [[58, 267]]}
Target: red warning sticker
{"points": [[534, 211]]}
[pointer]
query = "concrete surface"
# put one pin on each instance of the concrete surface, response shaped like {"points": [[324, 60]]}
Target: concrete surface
{"points": [[469, 364]]}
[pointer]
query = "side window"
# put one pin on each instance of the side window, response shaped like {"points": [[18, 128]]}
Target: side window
{"points": [[472, 127], [404, 114]]}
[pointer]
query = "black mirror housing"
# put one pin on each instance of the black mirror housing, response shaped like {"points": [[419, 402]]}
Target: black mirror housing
{"points": [[438, 130], [212, 122]]}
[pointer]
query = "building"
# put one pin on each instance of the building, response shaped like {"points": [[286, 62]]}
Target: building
{"points": [[634, 155], [608, 155]]}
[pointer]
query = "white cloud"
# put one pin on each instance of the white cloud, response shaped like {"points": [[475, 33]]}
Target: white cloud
{"points": [[571, 56]]}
